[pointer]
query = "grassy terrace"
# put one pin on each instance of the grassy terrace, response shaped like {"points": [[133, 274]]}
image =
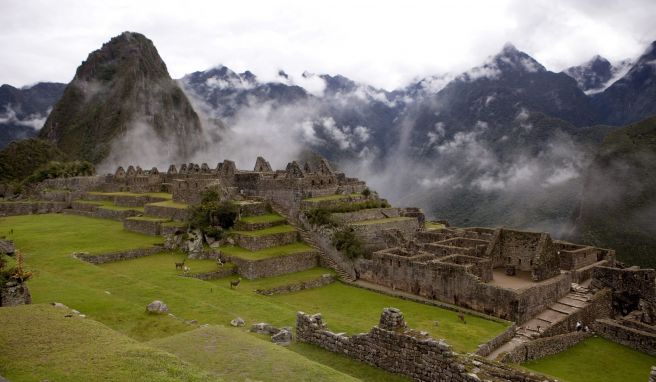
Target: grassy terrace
{"points": [[38, 343], [222, 352], [330, 197], [116, 294], [431, 226], [268, 218], [272, 282], [596, 359], [266, 253], [267, 231], [109, 205], [381, 221], [163, 195], [170, 203]]}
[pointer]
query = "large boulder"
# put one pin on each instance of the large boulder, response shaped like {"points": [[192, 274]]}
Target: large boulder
{"points": [[283, 337], [264, 328], [7, 247], [13, 293], [157, 307], [194, 245], [237, 322]]}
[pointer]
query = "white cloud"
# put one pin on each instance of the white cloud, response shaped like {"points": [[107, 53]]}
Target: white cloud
{"points": [[45, 40]]}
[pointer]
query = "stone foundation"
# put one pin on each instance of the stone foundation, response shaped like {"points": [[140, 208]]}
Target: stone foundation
{"points": [[148, 227], [30, 208], [275, 266], [634, 338], [543, 347], [13, 294], [295, 287], [393, 347], [255, 243], [118, 256]]}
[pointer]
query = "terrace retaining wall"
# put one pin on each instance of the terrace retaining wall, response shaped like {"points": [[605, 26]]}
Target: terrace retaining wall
{"points": [[543, 347], [118, 256], [632, 337], [30, 208], [255, 243], [170, 213], [147, 227], [274, 266], [302, 285]]}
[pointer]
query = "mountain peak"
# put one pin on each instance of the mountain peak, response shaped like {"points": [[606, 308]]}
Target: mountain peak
{"points": [[510, 59]]}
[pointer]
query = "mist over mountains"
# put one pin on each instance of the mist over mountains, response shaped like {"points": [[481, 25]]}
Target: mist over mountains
{"points": [[505, 143]]}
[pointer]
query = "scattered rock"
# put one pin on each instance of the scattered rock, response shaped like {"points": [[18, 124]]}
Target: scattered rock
{"points": [[75, 311], [237, 322], [283, 337], [107, 292], [157, 307], [194, 244], [264, 328], [7, 247], [83, 316], [59, 305]]}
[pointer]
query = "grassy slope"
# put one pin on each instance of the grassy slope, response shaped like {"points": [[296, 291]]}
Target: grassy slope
{"points": [[330, 197], [38, 343], [163, 195], [596, 359], [268, 218], [282, 250], [170, 203], [223, 351], [117, 293], [267, 231], [108, 204]]}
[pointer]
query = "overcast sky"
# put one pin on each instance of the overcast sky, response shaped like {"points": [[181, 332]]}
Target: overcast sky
{"points": [[384, 43]]}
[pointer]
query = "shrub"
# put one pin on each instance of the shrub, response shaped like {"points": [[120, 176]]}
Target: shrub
{"points": [[213, 216], [55, 169], [366, 192], [348, 243], [319, 216]]}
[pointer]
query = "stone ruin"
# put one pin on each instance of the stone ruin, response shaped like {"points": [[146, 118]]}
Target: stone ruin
{"points": [[393, 347]]}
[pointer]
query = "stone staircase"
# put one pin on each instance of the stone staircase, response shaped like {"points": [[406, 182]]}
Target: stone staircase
{"points": [[578, 298], [311, 241]]}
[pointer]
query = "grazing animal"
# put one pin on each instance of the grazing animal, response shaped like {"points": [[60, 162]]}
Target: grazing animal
{"points": [[180, 265], [235, 283], [461, 317], [219, 262], [186, 269]]}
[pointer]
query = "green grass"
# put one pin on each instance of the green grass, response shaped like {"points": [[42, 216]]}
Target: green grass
{"points": [[268, 218], [223, 351], [170, 203], [596, 359], [381, 221], [174, 224], [116, 294], [109, 205], [284, 228], [38, 343], [432, 225], [266, 253], [165, 263], [330, 197], [345, 364]]}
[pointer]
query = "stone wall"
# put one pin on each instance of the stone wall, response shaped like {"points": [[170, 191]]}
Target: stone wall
{"points": [[298, 286], [12, 294], [372, 234], [148, 227], [487, 348], [527, 251], [255, 243], [274, 266], [366, 214], [543, 347], [638, 282], [170, 213], [598, 307], [220, 273], [393, 347], [634, 338], [29, 208], [454, 284], [118, 256]]}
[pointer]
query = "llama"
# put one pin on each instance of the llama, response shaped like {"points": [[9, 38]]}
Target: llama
{"points": [[180, 265], [186, 269], [235, 283]]}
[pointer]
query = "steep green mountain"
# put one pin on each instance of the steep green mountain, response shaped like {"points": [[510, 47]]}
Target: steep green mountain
{"points": [[618, 203], [121, 88]]}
